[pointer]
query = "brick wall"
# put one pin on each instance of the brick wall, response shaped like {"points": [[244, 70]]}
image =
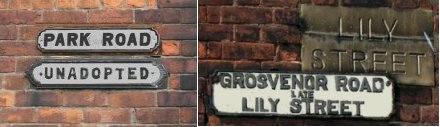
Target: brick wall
{"points": [[22, 105], [266, 35]]}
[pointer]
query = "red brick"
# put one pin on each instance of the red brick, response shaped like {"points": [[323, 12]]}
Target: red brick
{"points": [[64, 17], [8, 33], [30, 32], [134, 4], [15, 82], [178, 32], [180, 66], [188, 15], [177, 3], [279, 3], [151, 4], [65, 4], [287, 16], [60, 115], [239, 15], [248, 2], [202, 14], [213, 120], [167, 99], [174, 82], [170, 48], [7, 64], [326, 2], [19, 48], [84, 98], [20, 4], [406, 4], [305, 1], [108, 115], [201, 120], [191, 66], [112, 3], [158, 115], [43, 4], [88, 4], [111, 16], [426, 4], [414, 95], [281, 65], [132, 99], [24, 63], [207, 67], [214, 49], [246, 65], [213, 14], [429, 113], [367, 3], [167, 15], [19, 17], [14, 115], [289, 52], [409, 113], [217, 2], [215, 32], [188, 48], [188, 115], [42, 98], [3, 4], [247, 33], [435, 95], [201, 50], [188, 82], [256, 51], [281, 35], [7, 99]]}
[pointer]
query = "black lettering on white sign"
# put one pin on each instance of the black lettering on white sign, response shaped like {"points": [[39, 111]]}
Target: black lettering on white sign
{"points": [[97, 73], [98, 40], [302, 94]]}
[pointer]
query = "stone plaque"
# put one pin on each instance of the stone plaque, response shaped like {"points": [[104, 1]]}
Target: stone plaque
{"points": [[97, 73], [302, 94], [378, 21], [408, 62], [98, 40]]}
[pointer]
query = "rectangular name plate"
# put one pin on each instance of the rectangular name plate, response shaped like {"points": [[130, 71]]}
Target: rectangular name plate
{"points": [[98, 40], [97, 73], [408, 62], [377, 21], [302, 94]]}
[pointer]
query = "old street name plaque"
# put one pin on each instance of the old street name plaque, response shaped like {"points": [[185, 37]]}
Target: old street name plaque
{"points": [[97, 73], [98, 40], [302, 94], [408, 62], [376, 22]]}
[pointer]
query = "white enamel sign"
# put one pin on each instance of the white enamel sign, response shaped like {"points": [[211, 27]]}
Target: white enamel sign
{"points": [[98, 40], [97, 73], [295, 94]]}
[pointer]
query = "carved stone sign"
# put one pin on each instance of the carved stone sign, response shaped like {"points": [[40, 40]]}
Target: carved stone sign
{"points": [[98, 40], [369, 22], [302, 94], [408, 62], [97, 73]]}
